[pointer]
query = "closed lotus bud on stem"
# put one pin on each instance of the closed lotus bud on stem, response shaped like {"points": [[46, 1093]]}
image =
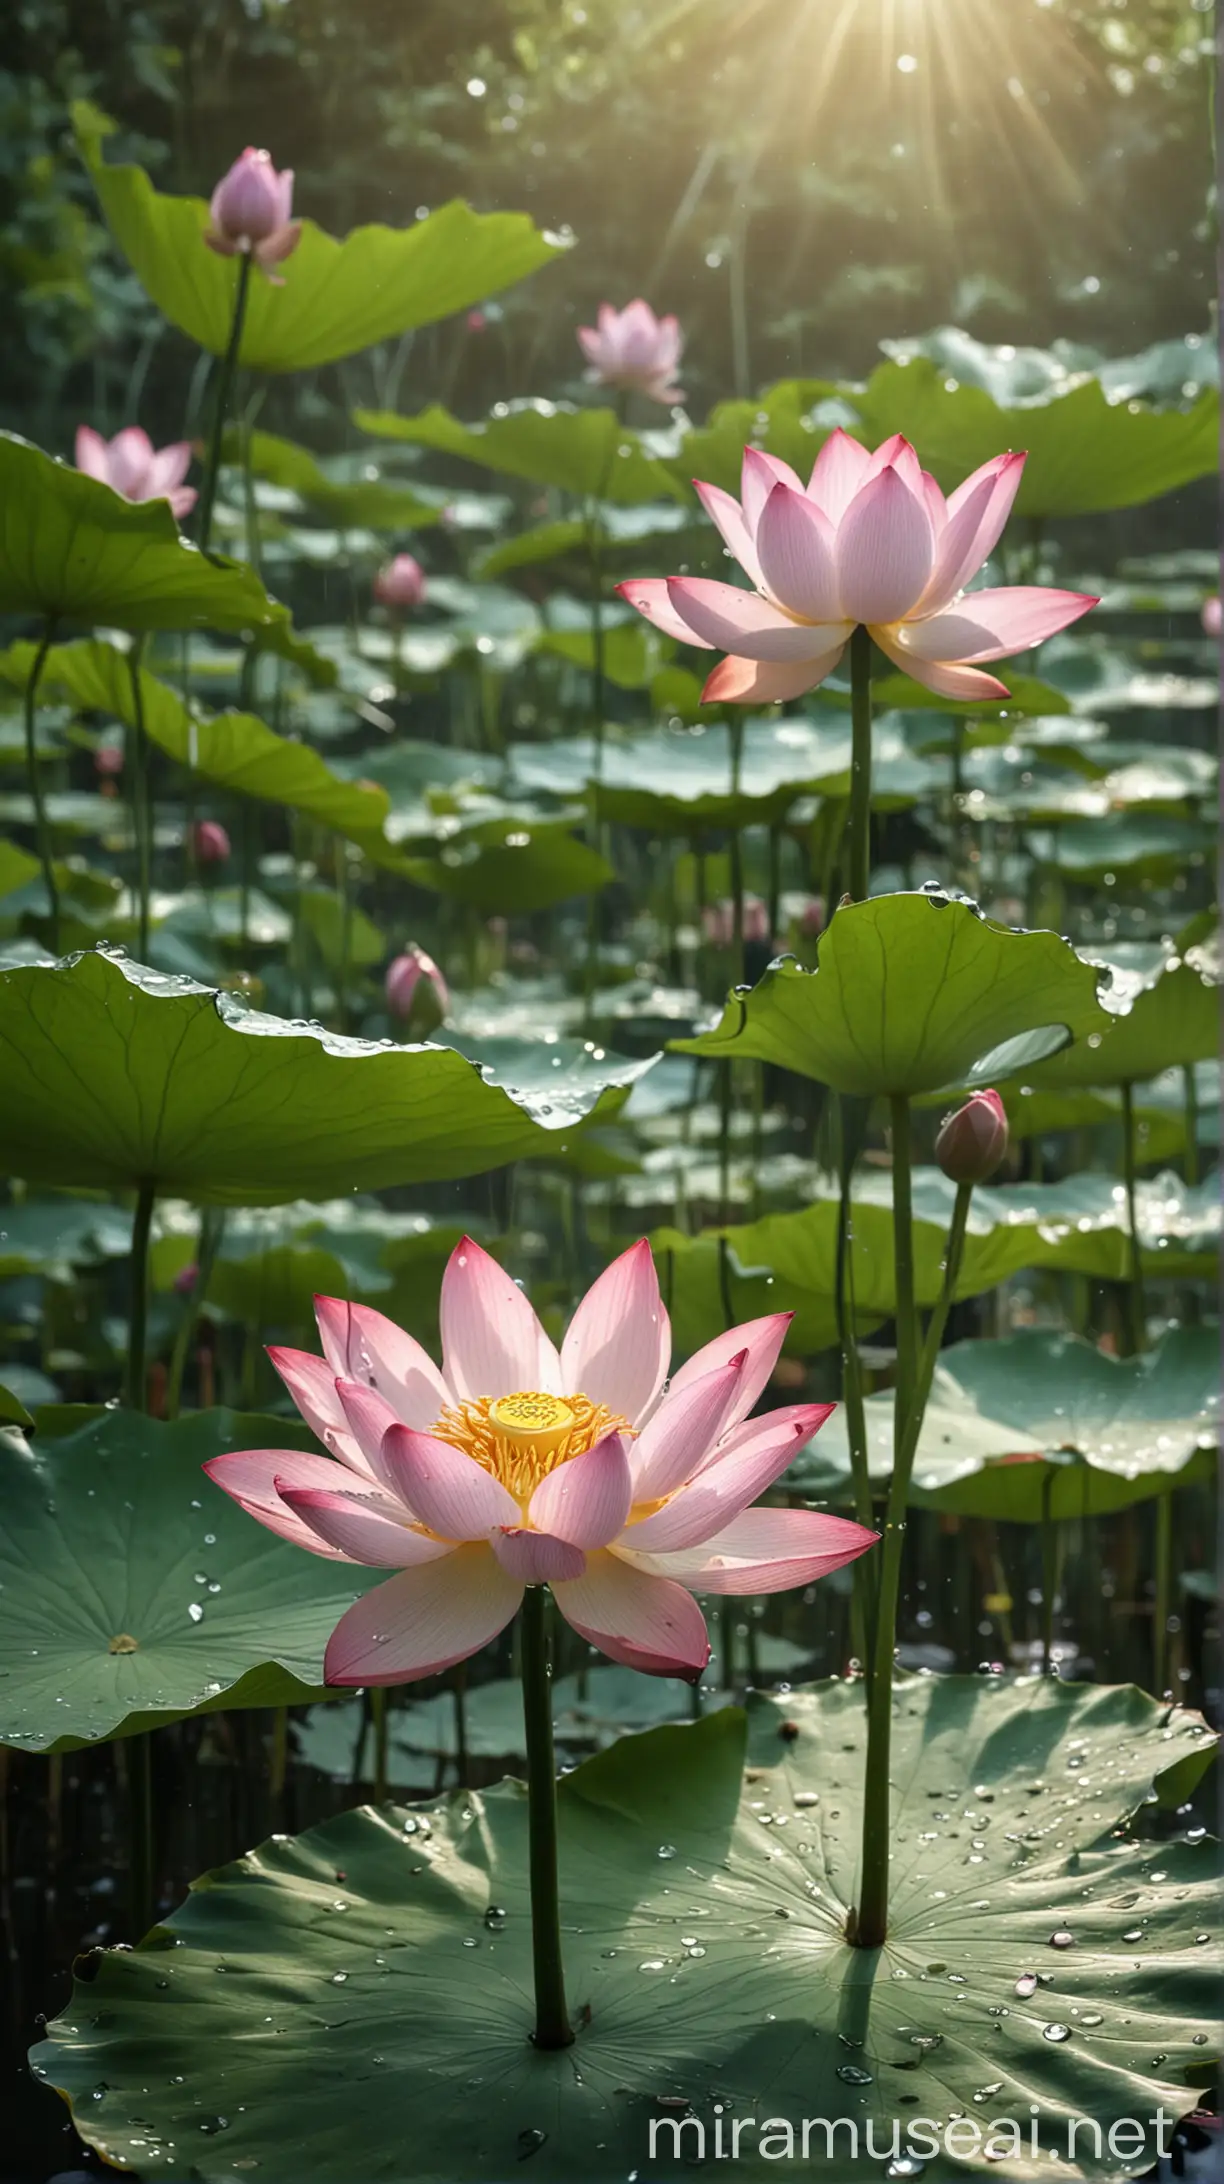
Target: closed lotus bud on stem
{"points": [[249, 212], [416, 989], [972, 1142], [210, 844], [401, 583]]}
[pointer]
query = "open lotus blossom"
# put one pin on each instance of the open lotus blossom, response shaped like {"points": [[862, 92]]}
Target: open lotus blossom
{"points": [[635, 350], [517, 1464], [249, 211], [869, 540], [131, 465]]}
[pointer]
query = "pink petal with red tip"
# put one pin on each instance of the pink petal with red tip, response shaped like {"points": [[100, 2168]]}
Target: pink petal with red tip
{"points": [[759, 474], [761, 1338], [617, 1347], [359, 1530], [765, 1551], [976, 515], [369, 1417], [725, 511], [751, 627], [990, 625], [649, 594], [586, 1500], [424, 1620], [885, 550], [757, 682], [685, 1429], [364, 1345], [312, 1384], [837, 473], [450, 1493], [492, 1342], [947, 679], [644, 1621], [537, 1558], [249, 1477], [797, 546], [727, 1485]]}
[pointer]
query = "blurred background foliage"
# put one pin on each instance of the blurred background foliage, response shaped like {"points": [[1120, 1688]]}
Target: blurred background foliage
{"points": [[1027, 169]]}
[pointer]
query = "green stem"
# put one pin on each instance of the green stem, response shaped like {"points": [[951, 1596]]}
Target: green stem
{"points": [[140, 1831], [378, 1710], [870, 1924], [212, 1228], [1137, 1303], [459, 1692], [599, 684], [138, 1309], [860, 767], [1051, 1555], [1163, 1593], [1190, 1110], [41, 828], [852, 1391], [552, 2025], [225, 383], [142, 810]]}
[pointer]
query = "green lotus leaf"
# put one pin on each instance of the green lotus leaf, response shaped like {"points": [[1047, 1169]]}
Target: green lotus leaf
{"points": [[792, 420], [52, 1237], [532, 869], [12, 1410], [1168, 371], [1043, 1426], [134, 1593], [1172, 1021], [338, 297], [112, 1075], [704, 1953], [357, 504], [1098, 675], [73, 550], [1085, 452], [236, 751], [910, 993], [1131, 847], [584, 451]]}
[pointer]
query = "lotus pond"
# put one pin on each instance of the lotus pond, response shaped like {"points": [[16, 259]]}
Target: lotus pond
{"points": [[608, 1144]]}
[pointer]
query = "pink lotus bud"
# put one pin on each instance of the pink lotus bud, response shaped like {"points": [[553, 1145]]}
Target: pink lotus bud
{"points": [[635, 350], [132, 466], [210, 844], [249, 211], [186, 1279], [476, 322], [718, 921], [108, 759], [972, 1142], [1209, 615], [403, 979], [400, 583]]}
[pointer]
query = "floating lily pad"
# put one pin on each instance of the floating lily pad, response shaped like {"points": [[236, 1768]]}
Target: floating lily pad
{"points": [[704, 1955], [236, 751], [133, 1593], [1085, 452], [1101, 676], [1043, 1425], [1129, 847], [910, 993], [111, 1074], [338, 297], [585, 451], [73, 550]]}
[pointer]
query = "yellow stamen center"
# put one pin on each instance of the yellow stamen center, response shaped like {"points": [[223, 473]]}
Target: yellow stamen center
{"points": [[521, 1438]]}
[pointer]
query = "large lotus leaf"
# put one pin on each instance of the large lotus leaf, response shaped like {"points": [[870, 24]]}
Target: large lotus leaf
{"points": [[73, 550], [529, 870], [1168, 371], [1133, 848], [112, 1074], [617, 531], [1100, 676], [792, 420], [1173, 1020], [236, 751], [910, 993], [52, 1237], [378, 1968], [1160, 1131], [700, 787], [584, 451], [787, 1262], [1042, 1425], [1085, 453], [365, 503], [134, 1593], [338, 297]]}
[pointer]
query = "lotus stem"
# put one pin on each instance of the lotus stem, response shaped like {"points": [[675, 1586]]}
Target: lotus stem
{"points": [[41, 828], [212, 1229], [1190, 1111], [552, 2025], [225, 384], [860, 766], [142, 813], [459, 1691], [140, 1832], [378, 1713], [1051, 1557], [852, 1394], [915, 1371], [138, 1308], [1136, 1301], [1163, 1592]]}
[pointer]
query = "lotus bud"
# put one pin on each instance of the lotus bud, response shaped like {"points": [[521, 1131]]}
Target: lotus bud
{"points": [[416, 990], [972, 1142], [249, 212], [1209, 615], [108, 760], [476, 322], [400, 583], [186, 1279], [210, 844]]}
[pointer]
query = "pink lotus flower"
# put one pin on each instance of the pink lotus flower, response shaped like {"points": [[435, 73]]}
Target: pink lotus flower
{"points": [[132, 466], [108, 760], [972, 1142], [718, 921], [634, 349], [249, 211], [210, 844], [404, 976], [869, 540], [1209, 615], [400, 583], [515, 1465]]}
